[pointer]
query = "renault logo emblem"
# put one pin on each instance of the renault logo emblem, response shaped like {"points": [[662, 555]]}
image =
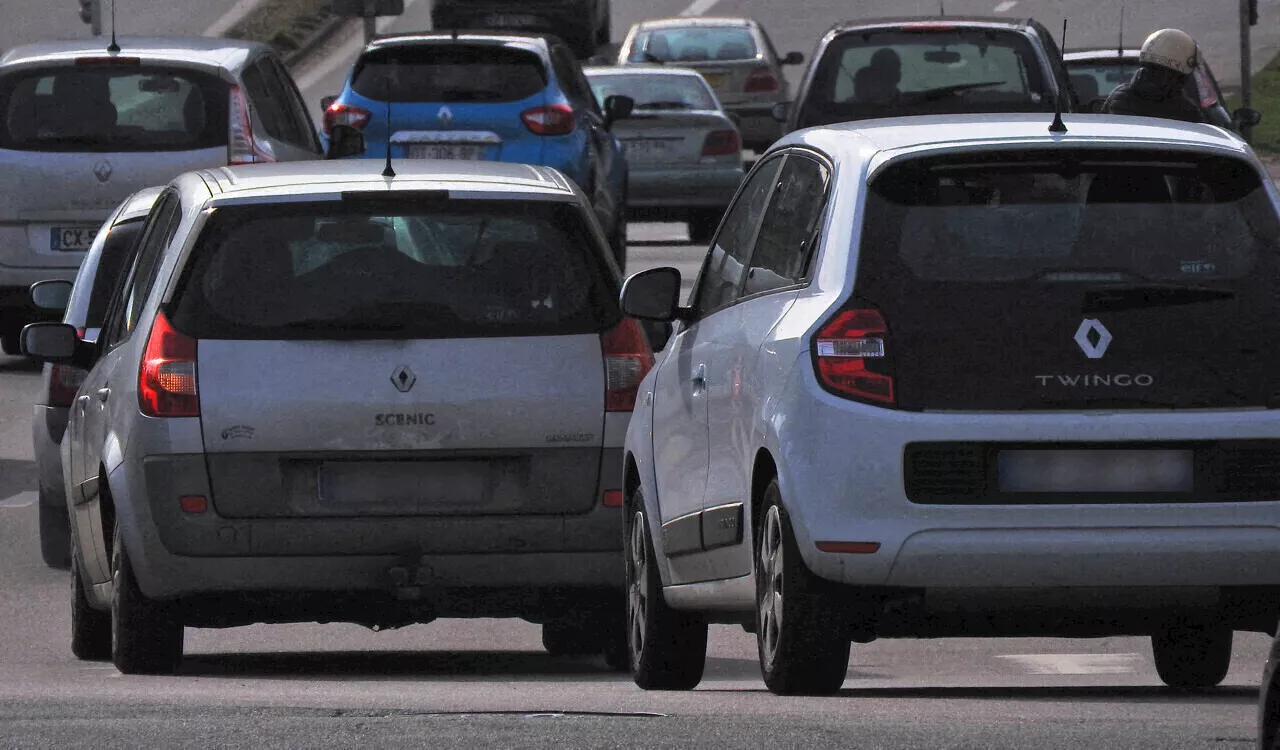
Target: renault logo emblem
{"points": [[403, 379], [102, 170], [1093, 338], [445, 115]]}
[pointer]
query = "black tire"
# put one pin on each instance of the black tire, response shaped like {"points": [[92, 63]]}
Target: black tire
{"points": [[145, 638], [1192, 656], [802, 643], [565, 638], [667, 648], [55, 535], [11, 343], [90, 628], [703, 224]]}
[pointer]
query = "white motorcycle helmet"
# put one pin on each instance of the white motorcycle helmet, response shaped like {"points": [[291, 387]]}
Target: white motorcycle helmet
{"points": [[1172, 49]]}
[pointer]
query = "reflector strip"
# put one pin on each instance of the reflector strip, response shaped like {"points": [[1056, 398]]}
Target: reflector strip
{"points": [[612, 499], [193, 504], [849, 548]]}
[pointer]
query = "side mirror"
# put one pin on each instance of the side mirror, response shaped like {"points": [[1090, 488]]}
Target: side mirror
{"points": [[51, 342], [781, 111], [793, 58], [344, 142], [325, 101], [617, 107], [652, 295], [51, 295], [1246, 117]]}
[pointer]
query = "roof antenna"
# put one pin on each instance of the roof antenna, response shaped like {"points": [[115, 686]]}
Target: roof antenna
{"points": [[1120, 44], [388, 171], [942, 7], [113, 48], [1058, 125]]}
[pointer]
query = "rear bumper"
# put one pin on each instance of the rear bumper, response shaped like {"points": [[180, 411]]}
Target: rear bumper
{"points": [[48, 425], [682, 188]]}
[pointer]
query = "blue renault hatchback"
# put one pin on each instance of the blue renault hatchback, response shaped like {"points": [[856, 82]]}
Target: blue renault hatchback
{"points": [[498, 97]]}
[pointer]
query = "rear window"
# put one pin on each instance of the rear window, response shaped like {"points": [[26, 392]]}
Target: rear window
{"points": [[1097, 80], [654, 91], [449, 73], [1121, 217], [896, 72], [695, 44], [402, 268], [111, 264], [116, 109]]}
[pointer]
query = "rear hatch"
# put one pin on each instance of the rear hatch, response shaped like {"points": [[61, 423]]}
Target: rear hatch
{"points": [[727, 56], [78, 137], [1070, 280], [408, 355], [450, 100], [673, 139]]}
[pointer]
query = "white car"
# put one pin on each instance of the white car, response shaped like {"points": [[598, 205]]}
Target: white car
{"points": [[960, 376]]}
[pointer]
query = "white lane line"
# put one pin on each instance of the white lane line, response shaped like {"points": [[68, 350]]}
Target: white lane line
{"points": [[20, 500], [1076, 663], [1006, 6], [698, 7], [232, 17], [344, 55]]}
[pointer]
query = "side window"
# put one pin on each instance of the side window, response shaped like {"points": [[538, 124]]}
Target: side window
{"points": [[724, 267], [156, 235], [299, 130], [272, 117], [789, 230]]}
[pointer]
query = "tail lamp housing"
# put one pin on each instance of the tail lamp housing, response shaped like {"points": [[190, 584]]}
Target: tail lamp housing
{"points": [[851, 356]]}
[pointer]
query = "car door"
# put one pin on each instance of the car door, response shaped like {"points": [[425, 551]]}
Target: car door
{"points": [[777, 268], [604, 149], [681, 437]]}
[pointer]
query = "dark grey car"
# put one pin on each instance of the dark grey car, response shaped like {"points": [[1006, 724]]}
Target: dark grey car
{"points": [[111, 253]]}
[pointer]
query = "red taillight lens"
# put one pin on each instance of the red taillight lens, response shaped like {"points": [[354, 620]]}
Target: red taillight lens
{"points": [[848, 350], [167, 378], [627, 359], [243, 146], [556, 119], [760, 81], [721, 143], [342, 114]]}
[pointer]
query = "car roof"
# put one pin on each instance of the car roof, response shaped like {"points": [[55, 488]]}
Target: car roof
{"points": [[985, 131], [639, 69], [230, 54], [139, 204], [684, 22], [284, 179], [530, 39], [939, 21]]}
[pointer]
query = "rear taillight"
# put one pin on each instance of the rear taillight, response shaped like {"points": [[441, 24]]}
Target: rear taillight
{"points": [[721, 143], [167, 378], [851, 357], [760, 81], [343, 114], [243, 147], [627, 359], [65, 381], [556, 119]]}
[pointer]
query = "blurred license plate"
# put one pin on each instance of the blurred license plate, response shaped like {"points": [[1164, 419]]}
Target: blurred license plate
{"points": [[648, 150], [714, 80], [1096, 471], [446, 151], [71, 238], [507, 19]]}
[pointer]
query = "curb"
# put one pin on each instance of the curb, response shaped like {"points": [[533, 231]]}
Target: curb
{"points": [[315, 40]]}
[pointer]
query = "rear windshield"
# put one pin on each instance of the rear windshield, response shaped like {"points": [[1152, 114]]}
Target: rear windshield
{"points": [[896, 72], [111, 264], [449, 73], [125, 108], [697, 44], [653, 91], [1125, 217], [1096, 80], [403, 268]]}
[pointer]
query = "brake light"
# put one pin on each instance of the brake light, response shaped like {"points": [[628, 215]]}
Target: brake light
{"points": [[627, 359], [760, 80], [344, 114], [556, 119], [242, 146], [721, 143], [167, 378], [850, 355], [65, 381]]}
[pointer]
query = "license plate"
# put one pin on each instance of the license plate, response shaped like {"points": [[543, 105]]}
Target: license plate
{"points": [[506, 19], [648, 150], [460, 152], [67, 239], [1096, 471], [714, 80]]}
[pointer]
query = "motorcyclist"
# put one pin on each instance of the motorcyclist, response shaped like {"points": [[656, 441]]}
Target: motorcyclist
{"points": [[1157, 89]]}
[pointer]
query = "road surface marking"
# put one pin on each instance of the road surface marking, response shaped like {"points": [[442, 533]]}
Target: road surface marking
{"points": [[1006, 6], [1076, 663], [20, 500], [698, 7], [232, 17], [344, 55]]}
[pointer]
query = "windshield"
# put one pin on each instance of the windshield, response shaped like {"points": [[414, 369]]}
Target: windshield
{"points": [[896, 72], [694, 44], [656, 91], [397, 268], [112, 109], [445, 72]]}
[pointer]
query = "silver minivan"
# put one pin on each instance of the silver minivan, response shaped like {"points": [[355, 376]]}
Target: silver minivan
{"points": [[83, 127]]}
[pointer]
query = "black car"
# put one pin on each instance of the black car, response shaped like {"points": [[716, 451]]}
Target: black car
{"points": [[583, 24], [896, 67]]}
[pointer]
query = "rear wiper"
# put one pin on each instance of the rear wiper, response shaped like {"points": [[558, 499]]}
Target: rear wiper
{"points": [[938, 93], [1140, 296]]}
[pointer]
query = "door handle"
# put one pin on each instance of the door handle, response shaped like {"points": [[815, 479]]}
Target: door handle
{"points": [[103, 394], [699, 379], [82, 402]]}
